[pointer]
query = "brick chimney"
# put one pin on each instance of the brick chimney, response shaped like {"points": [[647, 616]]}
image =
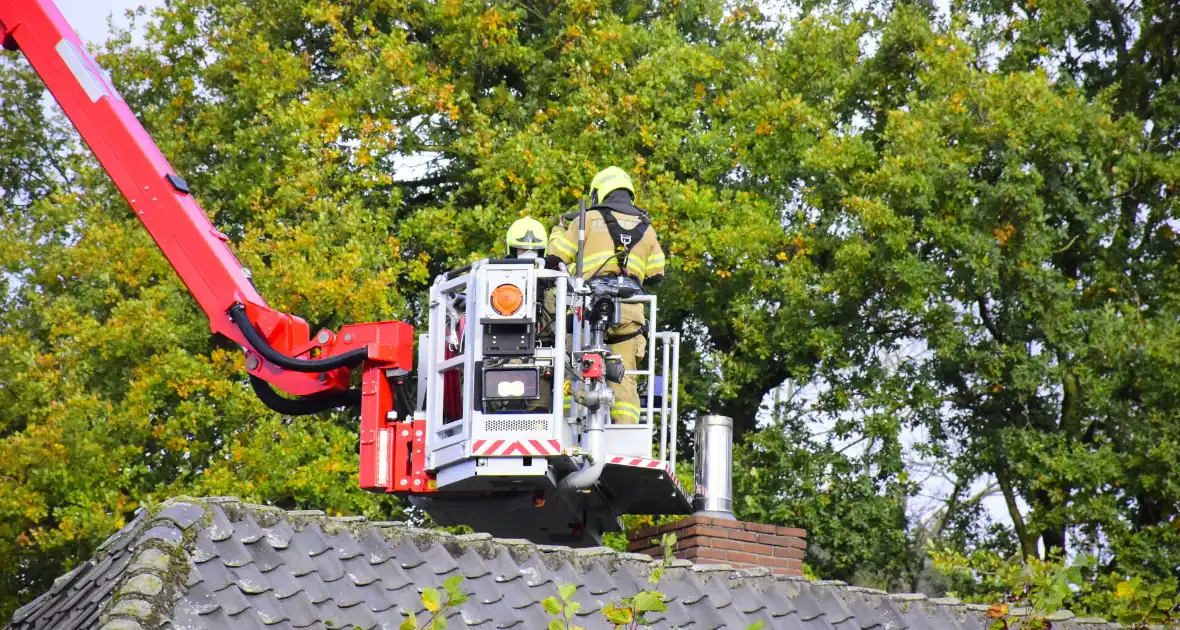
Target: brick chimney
{"points": [[708, 540]]}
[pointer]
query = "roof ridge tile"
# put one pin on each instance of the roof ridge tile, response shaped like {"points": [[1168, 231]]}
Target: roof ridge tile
{"points": [[138, 577], [151, 578]]}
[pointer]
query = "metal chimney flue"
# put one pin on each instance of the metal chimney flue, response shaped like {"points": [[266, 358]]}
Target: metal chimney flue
{"points": [[713, 494]]}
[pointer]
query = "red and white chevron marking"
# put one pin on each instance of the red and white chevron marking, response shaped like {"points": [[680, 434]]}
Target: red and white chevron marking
{"points": [[504, 448], [640, 462]]}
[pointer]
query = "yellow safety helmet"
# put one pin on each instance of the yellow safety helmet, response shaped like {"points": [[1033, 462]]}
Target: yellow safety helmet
{"points": [[526, 233], [609, 180]]}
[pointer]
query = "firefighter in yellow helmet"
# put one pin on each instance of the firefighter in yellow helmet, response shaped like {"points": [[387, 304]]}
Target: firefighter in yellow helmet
{"points": [[620, 241], [525, 239]]}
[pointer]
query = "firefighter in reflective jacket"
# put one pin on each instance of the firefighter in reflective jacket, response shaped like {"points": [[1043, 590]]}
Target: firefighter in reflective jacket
{"points": [[619, 241], [526, 240]]}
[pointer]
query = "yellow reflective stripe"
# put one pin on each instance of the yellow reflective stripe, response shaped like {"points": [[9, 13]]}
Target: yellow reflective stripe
{"points": [[655, 265], [562, 245], [636, 268], [627, 413], [590, 263]]}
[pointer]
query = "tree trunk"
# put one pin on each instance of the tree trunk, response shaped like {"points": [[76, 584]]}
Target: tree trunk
{"points": [[1028, 544]]}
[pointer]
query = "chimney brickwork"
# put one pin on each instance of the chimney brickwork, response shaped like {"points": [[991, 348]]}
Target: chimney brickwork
{"points": [[707, 540]]}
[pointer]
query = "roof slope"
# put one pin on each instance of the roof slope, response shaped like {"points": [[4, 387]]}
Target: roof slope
{"points": [[220, 563]]}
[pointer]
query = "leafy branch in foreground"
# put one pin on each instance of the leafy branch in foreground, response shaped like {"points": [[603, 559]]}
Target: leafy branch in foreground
{"points": [[627, 614], [631, 612], [1030, 591], [434, 603], [1140, 605], [564, 608]]}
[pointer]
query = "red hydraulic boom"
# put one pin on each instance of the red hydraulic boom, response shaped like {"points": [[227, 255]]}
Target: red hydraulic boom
{"points": [[279, 348]]}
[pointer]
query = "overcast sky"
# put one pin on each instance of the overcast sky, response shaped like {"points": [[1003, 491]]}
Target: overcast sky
{"points": [[89, 17]]}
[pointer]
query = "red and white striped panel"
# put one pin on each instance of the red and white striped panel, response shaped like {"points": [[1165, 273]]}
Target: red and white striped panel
{"points": [[505, 448], [641, 462]]}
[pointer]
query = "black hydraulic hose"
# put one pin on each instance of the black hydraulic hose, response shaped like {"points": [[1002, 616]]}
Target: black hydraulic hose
{"points": [[302, 406], [455, 273], [237, 312]]}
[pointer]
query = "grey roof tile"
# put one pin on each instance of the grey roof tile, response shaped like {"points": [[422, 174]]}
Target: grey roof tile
{"points": [[315, 588], [344, 592], [806, 603], [374, 546], [183, 513], [279, 534], [679, 615], [328, 567], [358, 616], [266, 558], [247, 531], [185, 618], [219, 528], [345, 546], [165, 531], [472, 616], [250, 580], [204, 549], [533, 616], [233, 553], [282, 583], [296, 562], [200, 601], [79, 596], [118, 540], [598, 582], [833, 607], [85, 617], [258, 568], [440, 561], [269, 609], [311, 540], [215, 576], [232, 600], [300, 611], [706, 617], [391, 576], [472, 565], [359, 571]]}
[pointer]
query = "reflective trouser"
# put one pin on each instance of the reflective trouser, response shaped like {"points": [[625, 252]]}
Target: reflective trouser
{"points": [[633, 350]]}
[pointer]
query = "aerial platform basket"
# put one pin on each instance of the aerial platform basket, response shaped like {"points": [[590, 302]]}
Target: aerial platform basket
{"points": [[496, 438]]}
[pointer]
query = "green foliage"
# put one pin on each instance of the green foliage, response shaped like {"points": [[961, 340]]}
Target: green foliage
{"points": [[563, 608], [631, 612], [1041, 588], [1028, 592], [1140, 605], [437, 603], [960, 229]]}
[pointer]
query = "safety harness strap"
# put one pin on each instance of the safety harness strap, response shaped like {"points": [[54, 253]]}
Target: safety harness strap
{"points": [[627, 337], [624, 239]]}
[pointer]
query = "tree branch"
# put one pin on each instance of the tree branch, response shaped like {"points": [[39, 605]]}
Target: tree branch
{"points": [[1028, 546], [988, 322], [433, 180]]}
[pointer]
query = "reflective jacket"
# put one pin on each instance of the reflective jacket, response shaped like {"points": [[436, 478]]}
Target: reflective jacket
{"points": [[644, 257]]}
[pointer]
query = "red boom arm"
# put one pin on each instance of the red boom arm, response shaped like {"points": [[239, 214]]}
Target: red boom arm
{"points": [[279, 348]]}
